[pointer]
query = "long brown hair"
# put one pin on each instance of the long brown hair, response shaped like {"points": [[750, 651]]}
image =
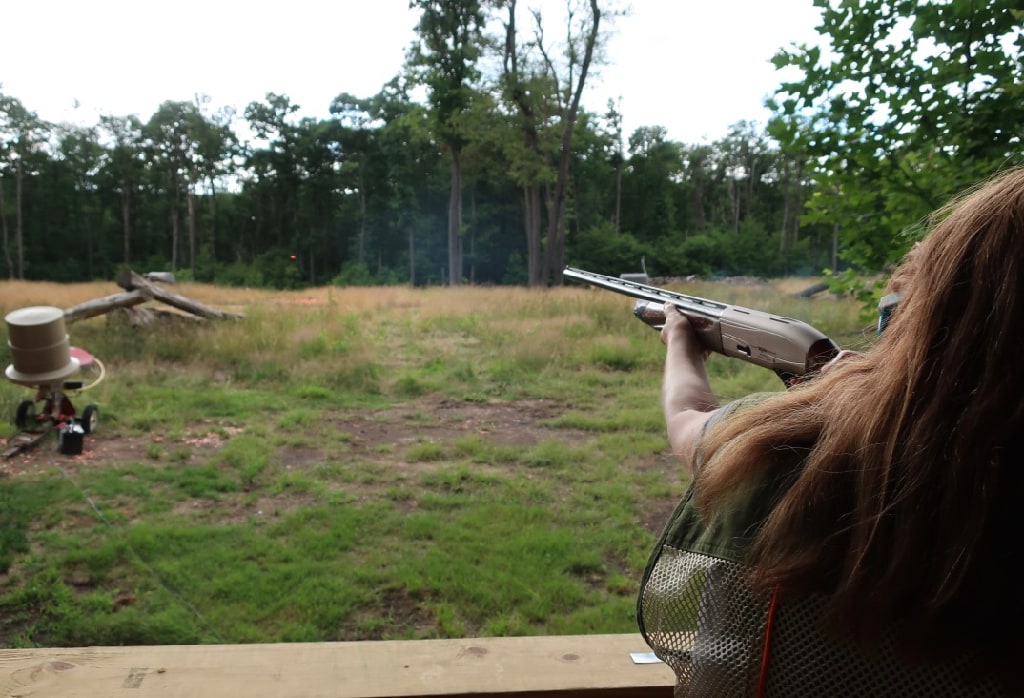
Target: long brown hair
{"points": [[909, 457]]}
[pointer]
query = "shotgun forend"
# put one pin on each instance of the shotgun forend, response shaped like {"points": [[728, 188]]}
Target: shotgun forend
{"points": [[789, 347]]}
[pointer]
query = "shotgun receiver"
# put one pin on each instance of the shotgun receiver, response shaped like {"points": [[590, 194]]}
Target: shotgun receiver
{"points": [[789, 347]]}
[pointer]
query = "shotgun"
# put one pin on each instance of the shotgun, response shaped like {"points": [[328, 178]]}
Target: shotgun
{"points": [[791, 348]]}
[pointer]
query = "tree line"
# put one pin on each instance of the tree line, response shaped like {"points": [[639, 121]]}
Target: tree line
{"points": [[499, 175]]}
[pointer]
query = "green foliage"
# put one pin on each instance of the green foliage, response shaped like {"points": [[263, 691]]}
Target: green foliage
{"points": [[602, 248], [553, 454], [277, 268], [450, 44], [699, 255], [354, 274], [246, 455], [238, 273], [865, 290], [426, 451], [21, 503], [916, 101], [360, 199], [749, 252]]}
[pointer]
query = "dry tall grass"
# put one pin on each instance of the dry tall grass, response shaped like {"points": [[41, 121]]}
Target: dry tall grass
{"points": [[319, 331]]}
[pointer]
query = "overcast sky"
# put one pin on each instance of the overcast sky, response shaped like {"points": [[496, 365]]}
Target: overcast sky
{"points": [[692, 66]]}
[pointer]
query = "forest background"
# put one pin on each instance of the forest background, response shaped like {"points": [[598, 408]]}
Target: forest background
{"points": [[477, 163]]}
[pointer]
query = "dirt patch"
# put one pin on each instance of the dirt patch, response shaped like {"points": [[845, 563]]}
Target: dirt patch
{"points": [[379, 441], [520, 422], [105, 448], [380, 438], [396, 608]]}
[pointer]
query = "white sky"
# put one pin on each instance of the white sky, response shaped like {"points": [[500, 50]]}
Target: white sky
{"points": [[692, 66]]}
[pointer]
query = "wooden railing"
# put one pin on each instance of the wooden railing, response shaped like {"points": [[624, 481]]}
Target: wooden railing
{"points": [[575, 666]]}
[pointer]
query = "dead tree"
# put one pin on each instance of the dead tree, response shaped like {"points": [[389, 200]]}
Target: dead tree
{"points": [[130, 281]]}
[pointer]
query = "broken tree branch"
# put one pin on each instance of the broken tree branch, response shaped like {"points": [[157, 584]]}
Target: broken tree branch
{"points": [[99, 306], [130, 281]]}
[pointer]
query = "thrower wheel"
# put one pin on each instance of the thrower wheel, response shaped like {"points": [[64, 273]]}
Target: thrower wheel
{"points": [[90, 418], [25, 417]]}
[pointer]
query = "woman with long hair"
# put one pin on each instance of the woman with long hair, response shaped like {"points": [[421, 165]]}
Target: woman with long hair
{"points": [[855, 534]]}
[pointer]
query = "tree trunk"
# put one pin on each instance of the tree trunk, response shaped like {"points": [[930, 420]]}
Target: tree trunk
{"points": [[532, 199], [734, 206], [618, 192], [6, 232], [175, 223], [100, 306], [90, 238], [792, 195], [554, 251], [412, 257], [699, 215], [835, 247], [455, 220], [532, 224], [472, 236], [362, 218], [192, 230], [126, 221], [19, 223], [213, 222], [554, 257]]}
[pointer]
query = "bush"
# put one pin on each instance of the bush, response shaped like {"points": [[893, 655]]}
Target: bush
{"points": [[353, 274], [603, 250], [698, 255]]}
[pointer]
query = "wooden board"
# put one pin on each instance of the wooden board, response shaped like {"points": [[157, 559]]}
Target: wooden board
{"points": [[534, 667], [23, 441]]}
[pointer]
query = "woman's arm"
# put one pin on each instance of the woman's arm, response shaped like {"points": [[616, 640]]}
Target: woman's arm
{"points": [[686, 395]]}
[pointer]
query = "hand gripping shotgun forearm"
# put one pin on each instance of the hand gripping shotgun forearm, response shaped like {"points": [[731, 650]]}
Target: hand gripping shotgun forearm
{"points": [[791, 348]]}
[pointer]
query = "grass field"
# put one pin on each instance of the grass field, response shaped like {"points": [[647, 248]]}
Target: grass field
{"points": [[350, 464]]}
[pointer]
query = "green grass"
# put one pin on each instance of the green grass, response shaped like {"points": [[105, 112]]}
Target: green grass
{"points": [[397, 464]]}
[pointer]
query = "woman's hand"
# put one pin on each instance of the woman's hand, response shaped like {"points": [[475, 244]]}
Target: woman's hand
{"points": [[837, 359], [679, 331]]}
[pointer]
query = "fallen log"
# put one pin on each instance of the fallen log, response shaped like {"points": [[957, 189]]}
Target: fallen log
{"points": [[812, 290], [144, 317], [130, 281], [99, 306]]}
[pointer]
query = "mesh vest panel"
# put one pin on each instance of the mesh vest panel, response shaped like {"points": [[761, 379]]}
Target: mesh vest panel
{"points": [[805, 663], [700, 618]]}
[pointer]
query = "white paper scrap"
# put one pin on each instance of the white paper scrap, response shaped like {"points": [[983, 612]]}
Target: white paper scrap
{"points": [[644, 658]]}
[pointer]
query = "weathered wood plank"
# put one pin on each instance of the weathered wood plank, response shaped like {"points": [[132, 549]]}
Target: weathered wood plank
{"points": [[585, 666]]}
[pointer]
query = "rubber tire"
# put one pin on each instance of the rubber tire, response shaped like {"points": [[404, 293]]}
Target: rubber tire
{"points": [[90, 418], [25, 417]]}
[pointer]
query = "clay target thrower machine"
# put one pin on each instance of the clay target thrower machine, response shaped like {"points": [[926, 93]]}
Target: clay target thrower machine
{"points": [[43, 359]]}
